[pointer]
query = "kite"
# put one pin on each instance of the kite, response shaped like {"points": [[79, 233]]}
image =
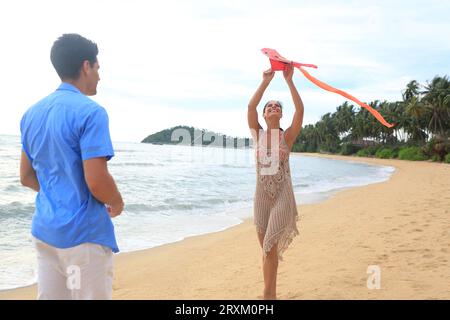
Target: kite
{"points": [[279, 63]]}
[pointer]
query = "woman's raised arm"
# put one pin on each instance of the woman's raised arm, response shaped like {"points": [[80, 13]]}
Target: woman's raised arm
{"points": [[252, 114], [294, 130]]}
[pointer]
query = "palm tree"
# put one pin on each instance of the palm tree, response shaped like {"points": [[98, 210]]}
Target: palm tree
{"points": [[344, 118], [375, 128], [329, 137], [436, 100], [412, 90], [420, 115], [363, 126], [415, 123], [308, 140], [388, 110], [399, 117]]}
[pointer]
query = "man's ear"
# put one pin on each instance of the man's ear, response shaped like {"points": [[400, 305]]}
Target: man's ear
{"points": [[86, 67]]}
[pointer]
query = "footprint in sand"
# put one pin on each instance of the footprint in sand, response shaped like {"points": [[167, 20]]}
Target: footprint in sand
{"points": [[403, 251], [383, 257]]}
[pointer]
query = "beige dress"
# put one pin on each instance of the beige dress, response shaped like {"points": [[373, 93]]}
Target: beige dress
{"points": [[275, 211]]}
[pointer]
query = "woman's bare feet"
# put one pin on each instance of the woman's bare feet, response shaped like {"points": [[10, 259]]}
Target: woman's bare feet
{"points": [[269, 296]]}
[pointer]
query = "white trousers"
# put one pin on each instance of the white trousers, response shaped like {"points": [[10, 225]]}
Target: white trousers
{"points": [[83, 272]]}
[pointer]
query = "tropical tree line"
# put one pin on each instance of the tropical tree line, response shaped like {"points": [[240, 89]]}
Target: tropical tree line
{"points": [[421, 123]]}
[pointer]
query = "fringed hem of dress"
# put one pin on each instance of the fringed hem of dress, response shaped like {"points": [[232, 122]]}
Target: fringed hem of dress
{"points": [[283, 238]]}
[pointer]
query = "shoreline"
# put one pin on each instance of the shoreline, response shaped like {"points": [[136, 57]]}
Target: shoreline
{"points": [[244, 215], [240, 215], [191, 254]]}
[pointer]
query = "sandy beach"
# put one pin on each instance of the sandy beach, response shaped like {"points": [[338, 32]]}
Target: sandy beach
{"points": [[401, 225]]}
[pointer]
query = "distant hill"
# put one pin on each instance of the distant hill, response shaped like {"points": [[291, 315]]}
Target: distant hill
{"points": [[193, 136]]}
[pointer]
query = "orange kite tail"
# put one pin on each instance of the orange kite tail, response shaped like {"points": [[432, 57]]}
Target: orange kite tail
{"points": [[324, 86]]}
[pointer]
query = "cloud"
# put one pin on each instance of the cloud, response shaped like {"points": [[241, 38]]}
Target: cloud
{"points": [[199, 61]]}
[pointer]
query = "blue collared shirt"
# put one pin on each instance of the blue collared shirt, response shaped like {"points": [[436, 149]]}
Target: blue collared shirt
{"points": [[58, 133]]}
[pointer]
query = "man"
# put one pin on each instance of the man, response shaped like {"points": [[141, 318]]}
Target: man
{"points": [[65, 148]]}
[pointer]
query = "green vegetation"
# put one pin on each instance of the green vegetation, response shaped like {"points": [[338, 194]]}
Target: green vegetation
{"points": [[178, 134], [421, 131], [411, 153], [447, 158], [385, 153]]}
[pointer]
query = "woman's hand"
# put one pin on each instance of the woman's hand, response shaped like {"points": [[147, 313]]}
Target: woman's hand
{"points": [[268, 75], [288, 72]]}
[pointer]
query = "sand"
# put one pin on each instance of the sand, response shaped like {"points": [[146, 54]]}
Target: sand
{"points": [[402, 226]]}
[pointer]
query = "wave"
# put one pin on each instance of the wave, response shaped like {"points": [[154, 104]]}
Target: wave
{"points": [[175, 207], [301, 185], [13, 188], [234, 166], [134, 164], [16, 210], [126, 150]]}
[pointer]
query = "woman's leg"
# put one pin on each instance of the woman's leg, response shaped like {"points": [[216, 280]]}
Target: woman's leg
{"points": [[270, 269], [261, 238]]}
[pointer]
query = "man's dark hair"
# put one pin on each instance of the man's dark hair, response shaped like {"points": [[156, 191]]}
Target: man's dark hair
{"points": [[69, 52]]}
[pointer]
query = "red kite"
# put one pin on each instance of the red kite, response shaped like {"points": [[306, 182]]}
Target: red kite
{"points": [[279, 63]]}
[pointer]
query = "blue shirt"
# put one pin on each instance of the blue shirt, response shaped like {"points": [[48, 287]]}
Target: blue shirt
{"points": [[58, 133]]}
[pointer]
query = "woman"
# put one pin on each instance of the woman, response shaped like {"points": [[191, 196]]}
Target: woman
{"points": [[275, 211]]}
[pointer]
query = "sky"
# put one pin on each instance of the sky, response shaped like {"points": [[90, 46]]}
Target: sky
{"points": [[197, 63]]}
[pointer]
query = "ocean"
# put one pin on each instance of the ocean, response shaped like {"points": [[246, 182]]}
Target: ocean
{"points": [[170, 193]]}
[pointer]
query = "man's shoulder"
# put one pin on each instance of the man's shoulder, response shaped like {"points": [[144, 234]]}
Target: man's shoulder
{"points": [[77, 99], [92, 105], [80, 105], [78, 102], [37, 105], [91, 109]]}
